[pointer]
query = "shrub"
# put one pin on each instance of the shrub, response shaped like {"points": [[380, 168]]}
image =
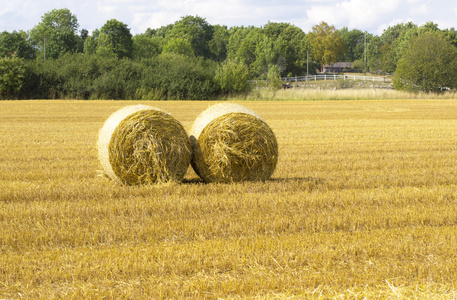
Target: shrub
{"points": [[232, 77], [12, 72]]}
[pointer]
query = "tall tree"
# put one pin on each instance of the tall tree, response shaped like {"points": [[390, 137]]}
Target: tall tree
{"points": [[267, 54], [243, 44], [196, 30], [16, 43], [327, 45], [146, 46], [355, 42], [219, 42], [296, 48], [12, 72], [428, 64], [391, 44], [56, 33], [115, 37]]}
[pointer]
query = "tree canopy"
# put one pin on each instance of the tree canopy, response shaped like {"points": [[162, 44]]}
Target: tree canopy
{"points": [[428, 64], [327, 45], [56, 34], [250, 52]]}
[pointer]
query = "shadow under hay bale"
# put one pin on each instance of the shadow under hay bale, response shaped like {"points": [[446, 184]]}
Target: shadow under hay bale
{"points": [[141, 144], [232, 143]]}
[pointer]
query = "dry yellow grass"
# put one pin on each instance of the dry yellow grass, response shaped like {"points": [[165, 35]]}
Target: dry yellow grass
{"points": [[337, 93], [362, 204]]}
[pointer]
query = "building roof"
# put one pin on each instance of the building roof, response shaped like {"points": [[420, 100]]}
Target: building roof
{"points": [[339, 65]]}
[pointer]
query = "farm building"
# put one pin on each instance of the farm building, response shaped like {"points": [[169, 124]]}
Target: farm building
{"points": [[337, 67]]}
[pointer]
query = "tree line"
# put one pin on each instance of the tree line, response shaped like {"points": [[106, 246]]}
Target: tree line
{"points": [[192, 59]]}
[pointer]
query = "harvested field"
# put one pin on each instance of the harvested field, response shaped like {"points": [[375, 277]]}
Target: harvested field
{"points": [[362, 204]]}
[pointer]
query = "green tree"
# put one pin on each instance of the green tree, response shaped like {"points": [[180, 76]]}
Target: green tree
{"points": [[11, 76], [16, 43], [274, 78], [374, 54], [392, 45], [327, 45], [219, 42], [195, 30], [243, 44], [146, 46], [428, 64], [451, 35], [90, 43], [354, 40], [232, 76], [266, 55], [83, 35], [295, 47], [181, 46], [273, 29], [56, 33], [115, 37]]}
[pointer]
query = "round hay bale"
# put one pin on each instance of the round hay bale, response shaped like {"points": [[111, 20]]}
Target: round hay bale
{"points": [[232, 143], [141, 144]]}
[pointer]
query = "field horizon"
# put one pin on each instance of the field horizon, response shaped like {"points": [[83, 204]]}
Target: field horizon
{"points": [[362, 205]]}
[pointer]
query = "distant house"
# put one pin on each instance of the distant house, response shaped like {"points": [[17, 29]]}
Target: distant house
{"points": [[337, 67]]}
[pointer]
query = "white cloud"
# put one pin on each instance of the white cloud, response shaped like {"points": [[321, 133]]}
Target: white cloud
{"points": [[368, 15], [360, 14], [421, 9]]}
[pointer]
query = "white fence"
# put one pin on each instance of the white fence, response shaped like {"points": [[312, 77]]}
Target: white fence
{"points": [[335, 77]]}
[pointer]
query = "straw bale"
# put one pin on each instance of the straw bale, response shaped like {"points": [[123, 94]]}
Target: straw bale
{"points": [[232, 143], [141, 144]]}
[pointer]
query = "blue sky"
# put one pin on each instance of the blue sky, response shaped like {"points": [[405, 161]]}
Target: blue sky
{"points": [[372, 16]]}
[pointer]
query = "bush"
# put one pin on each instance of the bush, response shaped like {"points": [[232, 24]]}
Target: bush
{"points": [[84, 76], [232, 77], [274, 78], [12, 72], [175, 76]]}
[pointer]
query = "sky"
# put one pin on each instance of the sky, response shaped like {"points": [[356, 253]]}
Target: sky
{"points": [[373, 16]]}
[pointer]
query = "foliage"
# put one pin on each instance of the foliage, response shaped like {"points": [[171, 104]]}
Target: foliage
{"points": [[115, 38], [273, 78], [282, 45], [195, 31], [16, 43], [175, 76], [354, 41], [295, 47], [218, 44], [180, 46], [56, 33], [243, 44], [428, 64], [145, 46], [327, 45], [232, 77], [11, 76]]}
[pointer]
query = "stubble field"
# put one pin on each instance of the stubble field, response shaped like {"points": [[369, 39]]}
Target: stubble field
{"points": [[363, 203]]}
